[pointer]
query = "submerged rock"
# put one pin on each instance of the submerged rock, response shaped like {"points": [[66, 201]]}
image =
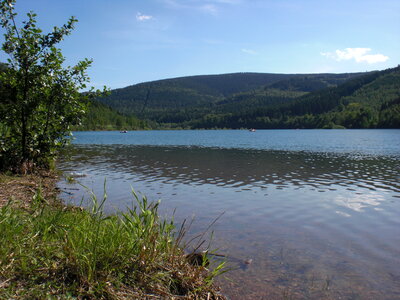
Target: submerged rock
{"points": [[77, 174]]}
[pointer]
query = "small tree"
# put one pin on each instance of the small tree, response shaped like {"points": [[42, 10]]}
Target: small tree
{"points": [[39, 97]]}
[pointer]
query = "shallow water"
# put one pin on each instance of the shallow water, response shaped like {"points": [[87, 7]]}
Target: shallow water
{"points": [[316, 211]]}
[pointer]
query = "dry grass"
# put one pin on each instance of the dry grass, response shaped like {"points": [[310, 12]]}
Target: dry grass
{"points": [[20, 189]]}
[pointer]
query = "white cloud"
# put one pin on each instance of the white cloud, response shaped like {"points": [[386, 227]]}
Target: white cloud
{"points": [[228, 1], [140, 17], [209, 8], [173, 3], [249, 51], [358, 54], [186, 3]]}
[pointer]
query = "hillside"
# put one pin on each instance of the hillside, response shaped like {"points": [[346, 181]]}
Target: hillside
{"points": [[101, 117], [153, 99], [369, 101], [253, 100]]}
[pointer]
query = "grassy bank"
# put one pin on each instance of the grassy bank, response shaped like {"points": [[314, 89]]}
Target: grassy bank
{"points": [[48, 249]]}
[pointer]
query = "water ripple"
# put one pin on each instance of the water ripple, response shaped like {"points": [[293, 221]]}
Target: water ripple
{"points": [[303, 217]]}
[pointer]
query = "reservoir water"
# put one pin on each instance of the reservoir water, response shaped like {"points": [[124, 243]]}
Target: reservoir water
{"points": [[316, 212]]}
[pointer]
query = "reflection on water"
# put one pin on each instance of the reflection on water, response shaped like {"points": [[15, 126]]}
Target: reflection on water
{"points": [[358, 202], [314, 225]]}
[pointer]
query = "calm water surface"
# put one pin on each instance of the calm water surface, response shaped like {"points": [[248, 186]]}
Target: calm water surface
{"points": [[317, 211]]}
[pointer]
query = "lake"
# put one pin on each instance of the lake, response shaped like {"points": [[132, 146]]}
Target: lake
{"points": [[316, 212]]}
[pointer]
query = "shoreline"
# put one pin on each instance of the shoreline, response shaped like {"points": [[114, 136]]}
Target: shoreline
{"points": [[52, 267], [20, 189]]}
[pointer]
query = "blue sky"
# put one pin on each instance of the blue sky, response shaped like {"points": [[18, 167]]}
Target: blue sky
{"points": [[133, 41]]}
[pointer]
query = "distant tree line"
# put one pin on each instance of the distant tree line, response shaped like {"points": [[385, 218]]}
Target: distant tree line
{"points": [[354, 100], [101, 117]]}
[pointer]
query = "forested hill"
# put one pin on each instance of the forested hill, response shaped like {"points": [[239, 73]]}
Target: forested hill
{"points": [[252, 100], [101, 117], [369, 101], [152, 99]]}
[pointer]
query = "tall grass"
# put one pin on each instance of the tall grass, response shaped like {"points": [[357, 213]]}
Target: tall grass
{"points": [[54, 251]]}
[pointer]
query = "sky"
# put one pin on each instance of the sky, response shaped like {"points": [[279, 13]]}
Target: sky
{"points": [[133, 41]]}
